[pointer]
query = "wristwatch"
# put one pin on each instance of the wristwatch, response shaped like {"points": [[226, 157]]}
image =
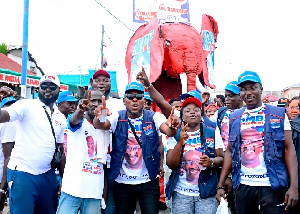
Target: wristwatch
{"points": [[212, 164]]}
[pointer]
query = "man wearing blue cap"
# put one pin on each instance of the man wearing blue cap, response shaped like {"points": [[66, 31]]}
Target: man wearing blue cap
{"points": [[67, 103], [7, 142], [148, 101], [135, 155], [263, 165]]}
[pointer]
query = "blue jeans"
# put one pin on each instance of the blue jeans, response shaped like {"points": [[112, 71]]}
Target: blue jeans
{"points": [[69, 204], [32, 193]]}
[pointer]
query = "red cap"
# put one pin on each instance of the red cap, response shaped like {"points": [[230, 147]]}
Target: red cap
{"points": [[192, 100], [101, 72]]}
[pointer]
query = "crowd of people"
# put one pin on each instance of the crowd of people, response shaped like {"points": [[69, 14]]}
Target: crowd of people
{"points": [[100, 154]]}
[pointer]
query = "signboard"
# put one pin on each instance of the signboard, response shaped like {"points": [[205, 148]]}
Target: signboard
{"points": [[163, 10], [29, 81]]}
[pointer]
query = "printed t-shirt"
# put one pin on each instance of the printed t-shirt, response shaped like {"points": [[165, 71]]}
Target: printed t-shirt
{"points": [[83, 175], [34, 142], [190, 168], [225, 127], [133, 170], [253, 167], [7, 135]]}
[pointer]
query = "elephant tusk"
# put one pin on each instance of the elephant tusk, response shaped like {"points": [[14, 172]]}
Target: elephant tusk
{"points": [[199, 86], [183, 79]]}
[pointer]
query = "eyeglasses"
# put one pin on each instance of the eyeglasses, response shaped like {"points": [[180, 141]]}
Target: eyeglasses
{"points": [[132, 96], [52, 87], [190, 162], [293, 107], [133, 148]]}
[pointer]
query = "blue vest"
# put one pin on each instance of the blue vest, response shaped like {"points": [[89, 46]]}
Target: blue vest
{"points": [[150, 144], [208, 179], [221, 114], [273, 146], [209, 123]]}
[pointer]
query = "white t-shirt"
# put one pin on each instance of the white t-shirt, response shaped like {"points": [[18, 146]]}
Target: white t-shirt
{"points": [[190, 168], [7, 135], [253, 167], [34, 143], [225, 127], [83, 175], [133, 170]]}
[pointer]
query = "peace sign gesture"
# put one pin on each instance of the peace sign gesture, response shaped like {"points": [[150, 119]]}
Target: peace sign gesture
{"points": [[183, 135], [173, 120]]}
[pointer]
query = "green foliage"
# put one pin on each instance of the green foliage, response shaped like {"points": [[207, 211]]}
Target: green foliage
{"points": [[3, 48]]}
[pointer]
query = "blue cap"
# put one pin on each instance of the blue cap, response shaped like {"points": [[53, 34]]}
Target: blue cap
{"points": [[147, 96], [134, 86], [233, 87], [8, 100], [66, 96], [191, 94], [249, 76]]}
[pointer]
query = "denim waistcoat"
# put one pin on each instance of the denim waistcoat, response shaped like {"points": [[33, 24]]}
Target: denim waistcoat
{"points": [[150, 144], [273, 146]]}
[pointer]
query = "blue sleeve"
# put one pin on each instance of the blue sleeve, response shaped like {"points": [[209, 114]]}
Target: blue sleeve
{"points": [[75, 128]]}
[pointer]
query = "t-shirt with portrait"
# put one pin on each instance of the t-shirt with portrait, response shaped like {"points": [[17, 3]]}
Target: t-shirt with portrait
{"points": [[225, 127], [133, 170], [253, 167], [83, 175], [190, 168]]}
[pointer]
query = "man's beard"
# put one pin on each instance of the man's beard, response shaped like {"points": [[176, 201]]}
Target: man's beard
{"points": [[91, 115], [48, 100], [134, 114], [107, 93]]}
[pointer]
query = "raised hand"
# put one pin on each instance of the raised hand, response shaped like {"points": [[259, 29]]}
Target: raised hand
{"points": [[98, 110], [142, 77], [84, 105], [6, 92], [183, 135]]}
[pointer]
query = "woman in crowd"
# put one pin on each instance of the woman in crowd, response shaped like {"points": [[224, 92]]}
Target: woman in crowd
{"points": [[194, 158]]}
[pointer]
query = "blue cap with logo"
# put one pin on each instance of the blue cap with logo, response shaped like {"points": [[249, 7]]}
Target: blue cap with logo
{"points": [[249, 76], [147, 96], [233, 87], [8, 100], [134, 86], [66, 96], [191, 94]]}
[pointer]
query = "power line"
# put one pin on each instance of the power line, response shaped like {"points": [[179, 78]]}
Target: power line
{"points": [[113, 15]]}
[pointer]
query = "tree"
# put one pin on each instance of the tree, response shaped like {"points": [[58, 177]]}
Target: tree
{"points": [[3, 48]]}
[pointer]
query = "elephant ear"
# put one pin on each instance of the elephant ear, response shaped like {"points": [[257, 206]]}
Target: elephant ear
{"points": [[209, 33], [145, 49]]}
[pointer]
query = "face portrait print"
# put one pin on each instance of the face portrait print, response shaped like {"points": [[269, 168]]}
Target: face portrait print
{"points": [[65, 143], [133, 155], [191, 166], [91, 146], [251, 147], [224, 134]]}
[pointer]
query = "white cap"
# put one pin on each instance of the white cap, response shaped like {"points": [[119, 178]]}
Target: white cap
{"points": [[50, 78]]}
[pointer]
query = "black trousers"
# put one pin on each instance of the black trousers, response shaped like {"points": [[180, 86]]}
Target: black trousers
{"points": [[126, 195], [259, 199]]}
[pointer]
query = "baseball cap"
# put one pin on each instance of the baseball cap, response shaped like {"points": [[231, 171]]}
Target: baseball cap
{"points": [[211, 105], [101, 72], [134, 86], [192, 100], [66, 96], [282, 102], [8, 100], [233, 87], [147, 96], [50, 78], [195, 94], [249, 76]]}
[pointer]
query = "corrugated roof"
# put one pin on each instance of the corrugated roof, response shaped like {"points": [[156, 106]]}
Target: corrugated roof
{"points": [[7, 63]]}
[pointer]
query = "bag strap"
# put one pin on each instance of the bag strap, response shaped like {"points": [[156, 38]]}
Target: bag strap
{"points": [[48, 116], [133, 130]]}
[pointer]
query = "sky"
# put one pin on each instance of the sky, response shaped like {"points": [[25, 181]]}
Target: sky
{"points": [[65, 36]]}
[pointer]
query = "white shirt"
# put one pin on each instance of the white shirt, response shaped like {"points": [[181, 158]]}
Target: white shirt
{"points": [[7, 135], [83, 175], [34, 143], [189, 173], [136, 171]]}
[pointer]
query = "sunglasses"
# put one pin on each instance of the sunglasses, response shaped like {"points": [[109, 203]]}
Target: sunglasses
{"points": [[132, 96], [52, 87]]}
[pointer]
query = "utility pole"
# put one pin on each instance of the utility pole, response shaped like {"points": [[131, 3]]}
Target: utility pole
{"points": [[24, 49], [102, 47]]}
